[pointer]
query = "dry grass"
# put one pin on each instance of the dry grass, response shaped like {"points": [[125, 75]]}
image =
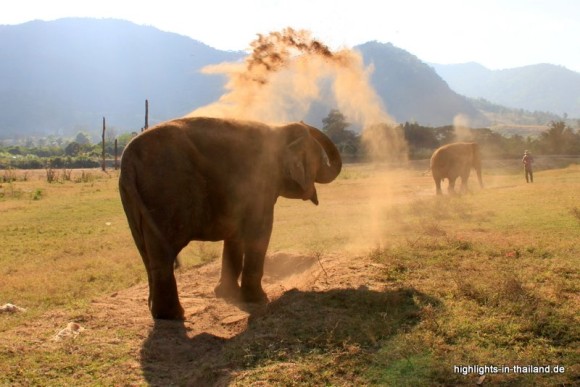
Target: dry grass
{"points": [[402, 286]]}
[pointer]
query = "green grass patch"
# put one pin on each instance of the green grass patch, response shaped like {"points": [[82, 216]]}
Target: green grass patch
{"points": [[489, 278], [65, 246], [504, 265]]}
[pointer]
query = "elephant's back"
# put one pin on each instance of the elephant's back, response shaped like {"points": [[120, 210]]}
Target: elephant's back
{"points": [[454, 150], [438, 157], [442, 161]]}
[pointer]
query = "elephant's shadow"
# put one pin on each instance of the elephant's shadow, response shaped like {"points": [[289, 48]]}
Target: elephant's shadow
{"points": [[295, 324]]}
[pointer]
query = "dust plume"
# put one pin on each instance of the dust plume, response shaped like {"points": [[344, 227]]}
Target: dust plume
{"points": [[461, 126], [285, 73]]}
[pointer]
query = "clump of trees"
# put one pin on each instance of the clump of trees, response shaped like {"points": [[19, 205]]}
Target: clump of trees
{"points": [[558, 139], [80, 151], [56, 152]]}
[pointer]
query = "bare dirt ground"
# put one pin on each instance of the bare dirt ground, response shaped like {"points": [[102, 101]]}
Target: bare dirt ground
{"points": [[206, 348], [314, 297], [192, 352]]}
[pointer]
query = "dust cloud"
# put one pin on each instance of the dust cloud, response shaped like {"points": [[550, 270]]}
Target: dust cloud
{"points": [[461, 126], [286, 72]]}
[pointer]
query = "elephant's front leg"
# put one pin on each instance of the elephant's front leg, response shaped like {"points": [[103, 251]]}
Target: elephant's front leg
{"points": [[438, 186], [451, 187], [232, 260], [464, 187], [253, 271]]}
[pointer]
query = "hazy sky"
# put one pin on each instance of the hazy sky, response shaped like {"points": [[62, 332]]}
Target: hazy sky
{"points": [[495, 33]]}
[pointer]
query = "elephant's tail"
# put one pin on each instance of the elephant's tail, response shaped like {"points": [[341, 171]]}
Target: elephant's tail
{"points": [[138, 216]]}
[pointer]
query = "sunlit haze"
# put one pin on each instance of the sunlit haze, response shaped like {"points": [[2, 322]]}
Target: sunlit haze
{"points": [[497, 34]]}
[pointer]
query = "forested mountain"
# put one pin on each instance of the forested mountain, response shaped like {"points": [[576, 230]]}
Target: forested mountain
{"points": [[57, 77], [63, 76], [539, 87], [411, 89]]}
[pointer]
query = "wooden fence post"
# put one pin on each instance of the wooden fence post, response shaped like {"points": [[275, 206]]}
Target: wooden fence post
{"points": [[116, 158], [103, 138], [146, 115]]}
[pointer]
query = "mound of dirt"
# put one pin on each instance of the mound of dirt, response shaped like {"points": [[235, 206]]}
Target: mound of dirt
{"points": [[301, 288], [171, 350], [206, 313]]}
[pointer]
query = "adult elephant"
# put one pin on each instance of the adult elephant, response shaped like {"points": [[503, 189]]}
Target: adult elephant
{"points": [[211, 179], [455, 160]]}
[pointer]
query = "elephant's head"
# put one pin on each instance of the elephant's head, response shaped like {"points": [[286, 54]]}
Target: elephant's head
{"points": [[309, 156]]}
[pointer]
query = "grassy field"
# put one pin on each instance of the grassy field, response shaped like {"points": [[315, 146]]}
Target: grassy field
{"points": [[489, 278]]}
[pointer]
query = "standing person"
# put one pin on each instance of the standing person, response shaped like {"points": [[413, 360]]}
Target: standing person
{"points": [[528, 160]]}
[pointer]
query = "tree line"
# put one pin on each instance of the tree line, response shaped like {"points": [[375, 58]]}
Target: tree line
{"points": [[557, 139], [81, 152], [56, 152]]}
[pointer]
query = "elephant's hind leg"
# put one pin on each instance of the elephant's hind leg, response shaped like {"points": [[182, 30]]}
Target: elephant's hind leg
{"points": [[451, 187], [163, 295], [438, 186]]}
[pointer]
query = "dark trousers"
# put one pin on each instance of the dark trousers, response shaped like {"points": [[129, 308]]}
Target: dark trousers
{"points": [[529, 175]]}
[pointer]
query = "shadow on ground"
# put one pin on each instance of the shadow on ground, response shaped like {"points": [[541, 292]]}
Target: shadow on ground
{"points": [[287, 329]]}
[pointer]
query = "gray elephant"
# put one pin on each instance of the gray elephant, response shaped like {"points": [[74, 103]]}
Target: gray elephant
{"points": [[455, 160], [211, 179]]}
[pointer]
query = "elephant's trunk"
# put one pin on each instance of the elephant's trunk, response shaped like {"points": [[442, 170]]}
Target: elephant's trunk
{"points": [[327, 172], [478, 171], [477, 163]]}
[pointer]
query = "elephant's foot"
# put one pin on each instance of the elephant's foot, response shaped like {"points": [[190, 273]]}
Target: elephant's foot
{"points": [[165, 312], [254, 295], [228, 291], [163, 297]]}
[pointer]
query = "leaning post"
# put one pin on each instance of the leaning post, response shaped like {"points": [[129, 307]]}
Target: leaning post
{"points": [[116, 158], [103, 138], [146, 115]]}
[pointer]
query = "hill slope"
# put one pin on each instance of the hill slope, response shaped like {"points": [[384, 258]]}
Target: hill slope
{"points": [[540, 87], [411, 89], [69, 73], [63, 76]]}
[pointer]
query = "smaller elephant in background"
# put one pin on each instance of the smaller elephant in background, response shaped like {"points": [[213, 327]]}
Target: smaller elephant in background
{"points": [[455, 160]]}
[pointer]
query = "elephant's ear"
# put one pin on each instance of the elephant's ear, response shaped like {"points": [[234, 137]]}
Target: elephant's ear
{"points": [[296, 167]]}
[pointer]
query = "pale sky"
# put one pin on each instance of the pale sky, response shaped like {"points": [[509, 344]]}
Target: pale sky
{"points": [[495, 33]]}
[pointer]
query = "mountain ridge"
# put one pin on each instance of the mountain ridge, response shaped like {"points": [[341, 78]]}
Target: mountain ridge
{"points": [[536, 87], [401, 76], [65, 75], [108, 69]]}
